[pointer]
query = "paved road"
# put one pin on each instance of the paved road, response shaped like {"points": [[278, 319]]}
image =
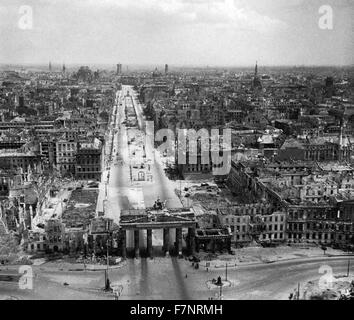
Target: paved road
{"points": [[161, 186], [122, 191], [164, 278], [258, 282]]}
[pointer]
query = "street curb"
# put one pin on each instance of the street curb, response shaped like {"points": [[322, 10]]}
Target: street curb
{"points": [[274, 262], [99, 269]]}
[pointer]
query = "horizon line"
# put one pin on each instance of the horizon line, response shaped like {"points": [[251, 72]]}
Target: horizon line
{"points": [[178, 65]]}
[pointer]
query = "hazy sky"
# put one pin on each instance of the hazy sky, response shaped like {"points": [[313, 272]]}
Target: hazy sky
{"points": [[193, 32]]}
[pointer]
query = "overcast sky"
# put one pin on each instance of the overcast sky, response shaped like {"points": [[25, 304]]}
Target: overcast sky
{"points": [[178, 32]]}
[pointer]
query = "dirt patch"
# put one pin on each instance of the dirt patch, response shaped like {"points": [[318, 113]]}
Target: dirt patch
{"points": [[81, 208], [331, 289]]}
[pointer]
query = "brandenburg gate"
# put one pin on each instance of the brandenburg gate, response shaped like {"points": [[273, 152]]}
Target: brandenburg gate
{"points": [[137, 220]]}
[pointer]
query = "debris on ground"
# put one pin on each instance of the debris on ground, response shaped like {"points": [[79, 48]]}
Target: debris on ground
{"points": [[340, 288]]}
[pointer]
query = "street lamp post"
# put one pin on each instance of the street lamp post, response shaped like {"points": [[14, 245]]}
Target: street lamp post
{"points": [[107, 256], [107, 284], [219, 284]]}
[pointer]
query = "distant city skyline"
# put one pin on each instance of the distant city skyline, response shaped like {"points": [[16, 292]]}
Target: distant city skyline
{"points": [[57, 67], [218, 33]]}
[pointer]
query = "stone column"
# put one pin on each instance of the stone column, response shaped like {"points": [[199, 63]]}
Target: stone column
{"points": [[166, 240], [136, 243], [179, 241], [149, 242], [213, 246], [94, 243], [191, 241], [228, 243], [124, 243]]}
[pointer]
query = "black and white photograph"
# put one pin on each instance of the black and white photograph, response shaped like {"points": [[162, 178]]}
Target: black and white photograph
{"points": [[180, 150]]}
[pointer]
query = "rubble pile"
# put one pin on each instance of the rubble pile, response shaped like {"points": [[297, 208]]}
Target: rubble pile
{"points": [[81, 208], [341, 288], [9, 248]]}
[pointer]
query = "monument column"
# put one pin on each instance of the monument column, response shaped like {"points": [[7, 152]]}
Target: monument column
{"points": [[228, 241], [124, 243], [191, 241], [166, 240], [149, 242], [179, 241], [136, 243], [213, 246], [94, 244]]}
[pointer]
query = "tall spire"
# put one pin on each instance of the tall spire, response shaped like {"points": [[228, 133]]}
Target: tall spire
{"points": [[341, 142], [256, 69], [341, 136], [340, 156]]}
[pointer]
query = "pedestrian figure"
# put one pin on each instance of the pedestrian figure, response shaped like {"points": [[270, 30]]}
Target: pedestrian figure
{"points": [[186, 276]]}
